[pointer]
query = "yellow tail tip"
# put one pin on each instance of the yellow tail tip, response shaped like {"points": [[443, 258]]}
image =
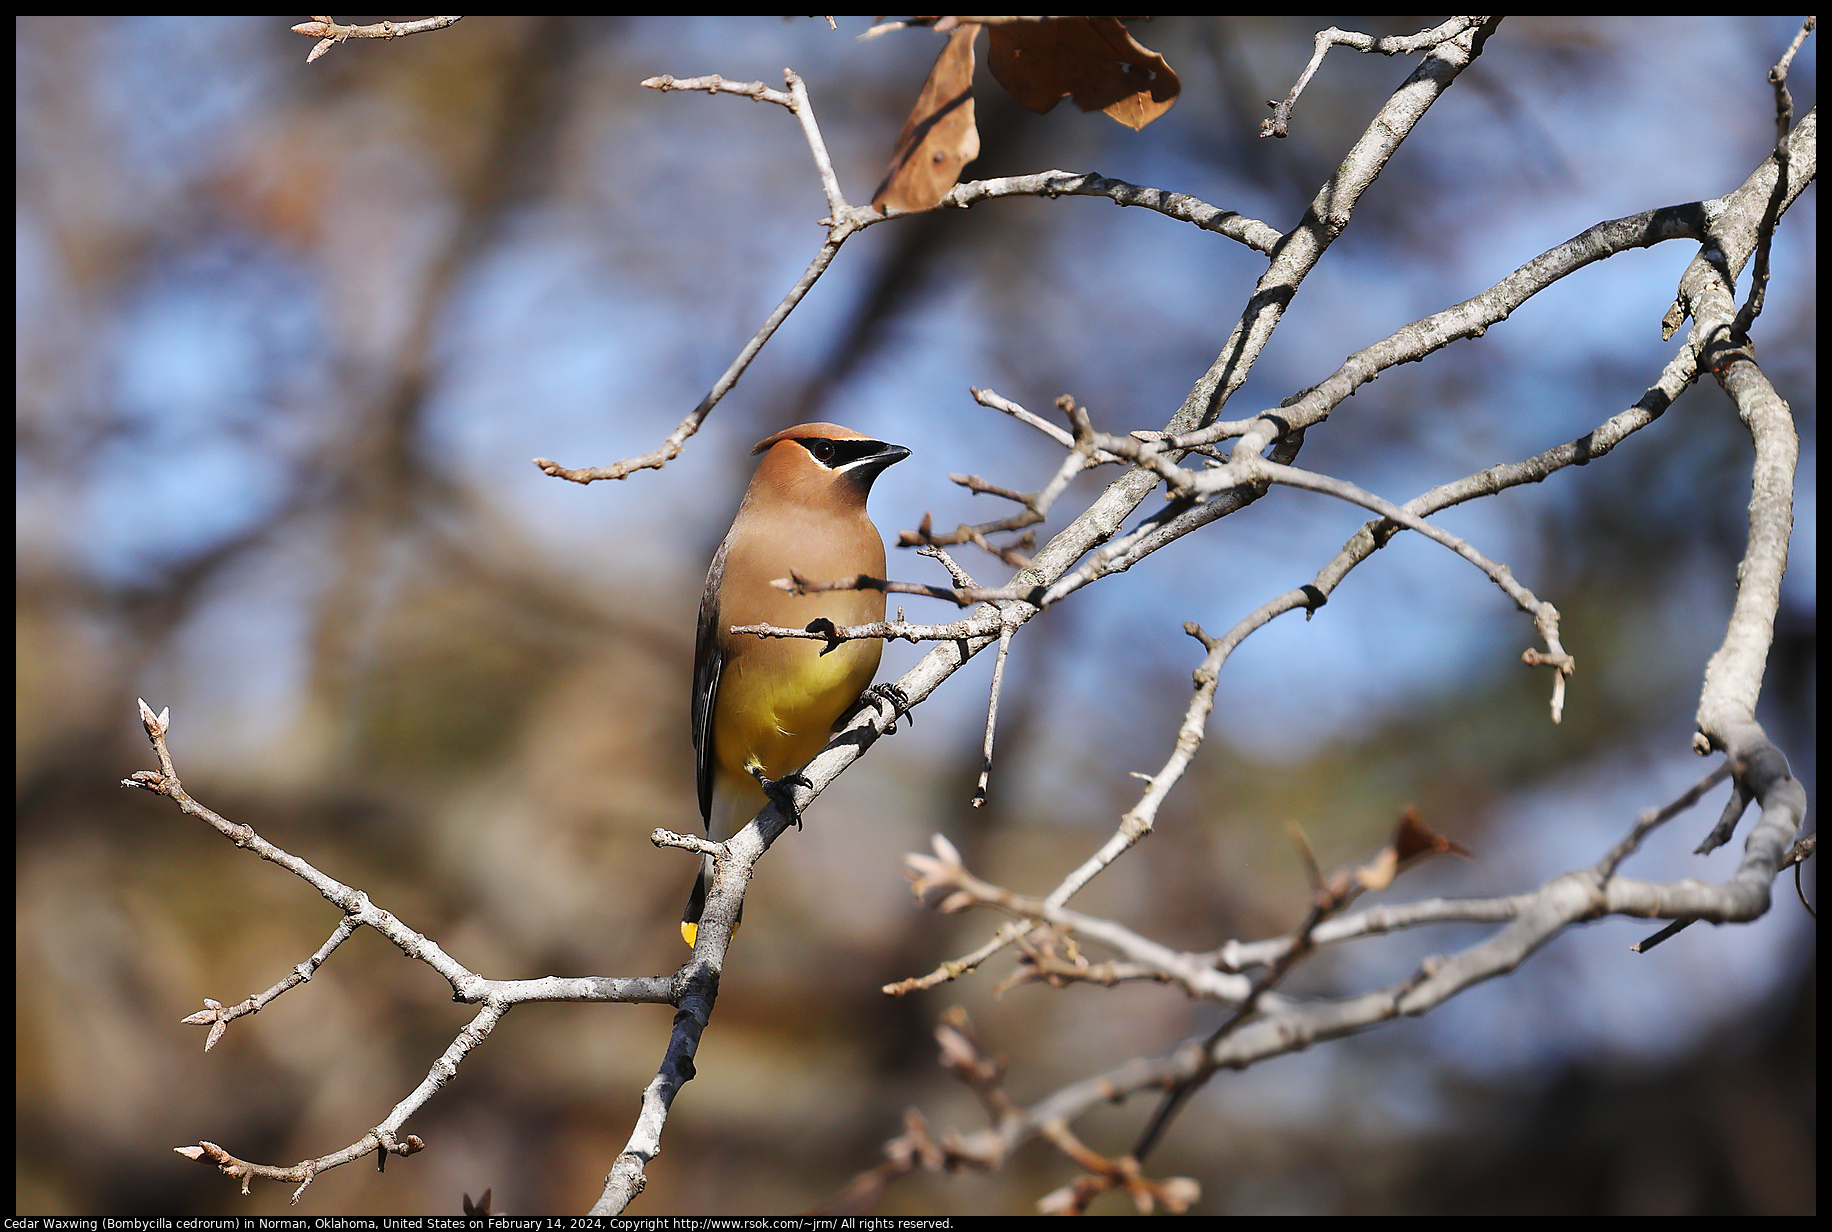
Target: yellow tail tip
{"points": [[690, 932]]}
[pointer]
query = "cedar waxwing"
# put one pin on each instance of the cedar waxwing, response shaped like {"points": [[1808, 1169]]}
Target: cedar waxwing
{"points": [[767, 705]]}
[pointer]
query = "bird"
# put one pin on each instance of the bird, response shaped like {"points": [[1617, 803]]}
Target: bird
{"points": [[763, 707]]}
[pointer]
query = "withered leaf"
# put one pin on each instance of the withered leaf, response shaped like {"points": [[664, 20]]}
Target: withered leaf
{"points": [[939, 137], [1413, 840], [1093, 60]]}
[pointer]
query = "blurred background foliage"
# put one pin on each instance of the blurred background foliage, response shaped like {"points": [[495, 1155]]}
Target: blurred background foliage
{"points": [[287, 337]]}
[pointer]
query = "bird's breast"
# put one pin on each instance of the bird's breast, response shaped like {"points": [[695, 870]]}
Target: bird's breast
{"points": [[779, 701]]}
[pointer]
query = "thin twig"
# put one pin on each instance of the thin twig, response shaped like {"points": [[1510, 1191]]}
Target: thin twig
{"points": [[992, 712], [1250, 232], [841, 224], [1531, 920], [715, 84], [670, 449], [1279, 124], [329, 33], [495, 997]]}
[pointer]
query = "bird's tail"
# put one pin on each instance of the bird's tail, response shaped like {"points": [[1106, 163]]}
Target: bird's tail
{"points": [[696, 902]]}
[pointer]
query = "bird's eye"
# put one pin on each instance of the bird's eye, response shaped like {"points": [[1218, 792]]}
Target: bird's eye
{"points": [[823, 451]]}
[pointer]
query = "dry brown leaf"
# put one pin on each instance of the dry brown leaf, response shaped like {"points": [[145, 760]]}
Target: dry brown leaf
{"points": [[1093, 60], [1413, 840], [939, 137]]}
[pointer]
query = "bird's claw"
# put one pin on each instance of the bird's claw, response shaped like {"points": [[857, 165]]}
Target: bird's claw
{"points": [[782, 791], [893, 696]]}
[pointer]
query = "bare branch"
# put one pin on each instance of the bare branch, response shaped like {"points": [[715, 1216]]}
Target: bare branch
{"points": [[329, 33], [842, 223], [670, 449], [715, 84], [796, 584], [1329, 215], [992, 712], [1391, 45], [1784, 119], [1531, 920], [1250, 232], [944, 871], [496, 997]]}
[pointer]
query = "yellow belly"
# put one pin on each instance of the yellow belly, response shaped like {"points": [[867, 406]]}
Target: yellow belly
{"points": [[778, 720]]}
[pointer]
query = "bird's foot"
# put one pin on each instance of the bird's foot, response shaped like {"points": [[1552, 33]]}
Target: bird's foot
{"points": [[889, 694], [782, 791]]}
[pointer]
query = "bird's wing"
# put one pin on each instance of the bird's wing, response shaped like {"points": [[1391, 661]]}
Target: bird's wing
{"points": [[708, 662]]}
